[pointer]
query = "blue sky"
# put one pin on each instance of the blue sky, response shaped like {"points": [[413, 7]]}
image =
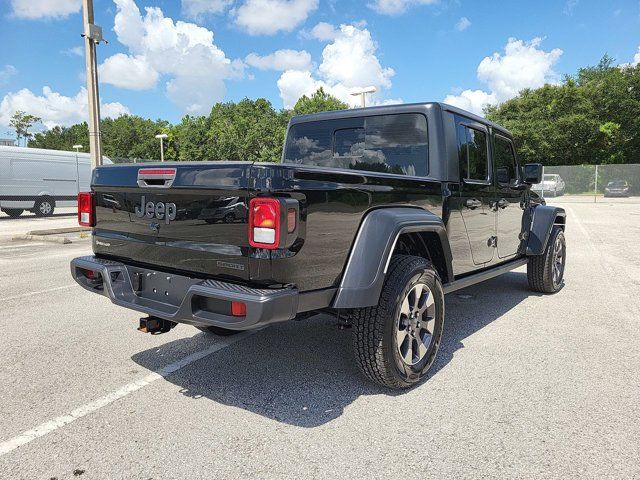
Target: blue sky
{"points": [[182, 56]]}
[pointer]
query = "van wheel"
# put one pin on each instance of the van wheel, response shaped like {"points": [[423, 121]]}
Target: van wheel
{"points": [[13, 212], [221, 332], [44, 207], [397, 341]]}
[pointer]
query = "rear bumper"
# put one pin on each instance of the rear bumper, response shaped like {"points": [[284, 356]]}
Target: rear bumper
{"points": [[183, 299]]}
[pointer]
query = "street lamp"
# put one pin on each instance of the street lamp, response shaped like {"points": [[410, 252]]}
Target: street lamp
{"points": [[362, 92], [162, 136], [77, 149]]}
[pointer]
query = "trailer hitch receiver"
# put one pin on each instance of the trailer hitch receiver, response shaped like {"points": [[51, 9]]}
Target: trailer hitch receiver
{"points": [[155, 325]]}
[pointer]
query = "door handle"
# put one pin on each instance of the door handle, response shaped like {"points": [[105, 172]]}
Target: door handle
{"points": [[472, 203]]}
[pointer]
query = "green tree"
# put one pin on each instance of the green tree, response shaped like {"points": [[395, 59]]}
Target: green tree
{"points": [[320, 101], [21, 122], [590, 118], [62, 138], [249, 130]]}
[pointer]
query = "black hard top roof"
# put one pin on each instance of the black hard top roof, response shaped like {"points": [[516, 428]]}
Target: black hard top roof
{"points": [[393, 109]]}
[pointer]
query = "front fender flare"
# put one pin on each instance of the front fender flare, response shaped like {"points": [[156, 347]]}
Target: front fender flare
{"points": [[543, 218], [371, 252]]}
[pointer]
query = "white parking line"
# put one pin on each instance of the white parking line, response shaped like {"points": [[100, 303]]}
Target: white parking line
{"points": [[84, 410], [30, 294]]}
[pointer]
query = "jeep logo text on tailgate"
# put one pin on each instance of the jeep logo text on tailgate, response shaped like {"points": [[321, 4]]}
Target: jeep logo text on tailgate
{"points": [[160, 210]]}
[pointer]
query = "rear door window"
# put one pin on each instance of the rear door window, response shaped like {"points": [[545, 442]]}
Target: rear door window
{"points": [[383, 143], [473, 153]]}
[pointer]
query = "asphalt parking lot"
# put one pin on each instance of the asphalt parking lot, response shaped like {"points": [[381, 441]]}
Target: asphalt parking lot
{"points": [[524, 386]]}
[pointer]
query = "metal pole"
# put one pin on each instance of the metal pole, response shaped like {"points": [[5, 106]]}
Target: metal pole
{"points": [[363, 99], [90, 41], [161, 150], [595, 188]]}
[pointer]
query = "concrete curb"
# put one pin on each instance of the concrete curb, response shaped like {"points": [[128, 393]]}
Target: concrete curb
{"points": [[43, 238], [57, 231]]}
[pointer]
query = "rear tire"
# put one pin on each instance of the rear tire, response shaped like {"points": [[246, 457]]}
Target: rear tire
{"points": [[221, 332], [44, 207], [545, 272], [13, 212], [397, 341]]}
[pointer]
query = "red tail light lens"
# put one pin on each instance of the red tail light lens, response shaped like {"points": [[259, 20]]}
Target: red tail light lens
{"points": [[238, 309], [86, 209], [264, 223]]}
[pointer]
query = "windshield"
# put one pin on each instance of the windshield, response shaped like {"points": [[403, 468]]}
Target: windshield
{"points": [[617, 184]]}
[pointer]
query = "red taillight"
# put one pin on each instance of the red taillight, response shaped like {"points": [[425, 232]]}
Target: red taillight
{"points": [[264, 223], [238, 309], [86, 209]]}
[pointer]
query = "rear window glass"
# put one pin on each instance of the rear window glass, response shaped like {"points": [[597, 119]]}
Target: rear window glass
{"points": [[385, 143]]}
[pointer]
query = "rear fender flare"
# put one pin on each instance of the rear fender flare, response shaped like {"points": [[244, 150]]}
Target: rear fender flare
{"points": [[543, 218], [373, 247]]}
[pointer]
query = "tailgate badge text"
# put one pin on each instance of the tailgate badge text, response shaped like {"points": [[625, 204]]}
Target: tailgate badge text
{"points": [[160, 210]]}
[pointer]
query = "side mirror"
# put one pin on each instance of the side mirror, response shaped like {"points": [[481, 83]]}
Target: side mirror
{"points": [[532, 173]]}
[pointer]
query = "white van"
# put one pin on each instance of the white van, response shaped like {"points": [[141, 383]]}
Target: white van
{"points": [[40, 180]]}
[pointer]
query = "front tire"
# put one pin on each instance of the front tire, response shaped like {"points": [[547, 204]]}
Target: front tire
{"points": [[13, 212], [545, 272], [397, 341]]}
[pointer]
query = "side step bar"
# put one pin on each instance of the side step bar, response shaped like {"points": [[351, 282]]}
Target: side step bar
{"points": [[484, 275]]}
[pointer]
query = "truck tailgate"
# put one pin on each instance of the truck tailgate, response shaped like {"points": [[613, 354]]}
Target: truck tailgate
{"points": [[194, 220]]}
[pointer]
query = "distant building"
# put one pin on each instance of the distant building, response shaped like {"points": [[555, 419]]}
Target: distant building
{"points": [[7, 142]]}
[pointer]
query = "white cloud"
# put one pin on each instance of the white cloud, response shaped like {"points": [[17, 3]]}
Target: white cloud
{"points": [[396, 7], [126, 71], [36, 9], [323, 31], [463, 24], [6, 73], [74, 52], [280, 60], [198, 8], [636, 58], [266, 17], [54, 108], [570, 6], [523, 65], [348, 63], [351, 59], [184, 53], [471, 100]]}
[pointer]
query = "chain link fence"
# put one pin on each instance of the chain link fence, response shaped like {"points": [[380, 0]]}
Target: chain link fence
{"points": [[594, 183]]}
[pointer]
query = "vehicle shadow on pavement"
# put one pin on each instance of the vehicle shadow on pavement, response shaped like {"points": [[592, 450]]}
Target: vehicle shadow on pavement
{"points": [[27, 216], [304, 373]]}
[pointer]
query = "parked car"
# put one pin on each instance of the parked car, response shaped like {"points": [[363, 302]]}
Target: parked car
{"points": [[551, 185], [617, 188], [39, 180], [373, 215]]}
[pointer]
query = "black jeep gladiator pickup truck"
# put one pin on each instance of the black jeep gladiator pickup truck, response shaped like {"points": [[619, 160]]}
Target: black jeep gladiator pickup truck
{"points": [[373, 214]]}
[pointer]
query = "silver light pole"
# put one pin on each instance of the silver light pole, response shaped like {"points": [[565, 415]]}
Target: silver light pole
{"points": [[92, 34], [77, 149], [362, 92], [162, 136]]}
